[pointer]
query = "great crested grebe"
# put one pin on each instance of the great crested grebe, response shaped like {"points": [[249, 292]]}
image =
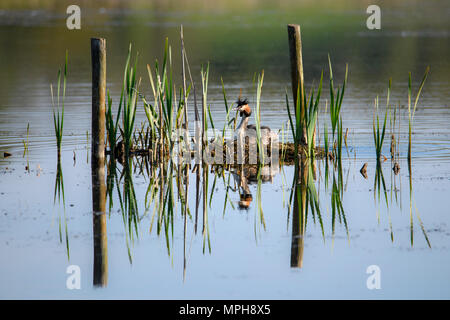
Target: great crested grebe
{"points": [[245, 130]]}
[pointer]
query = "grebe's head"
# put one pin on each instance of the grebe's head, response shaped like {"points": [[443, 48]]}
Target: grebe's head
{"points": [[243, 108]]}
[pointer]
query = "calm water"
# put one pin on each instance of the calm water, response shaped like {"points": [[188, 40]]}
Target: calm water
{"points": [[247, 258]]}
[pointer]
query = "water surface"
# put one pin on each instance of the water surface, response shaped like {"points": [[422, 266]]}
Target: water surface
{"points": [[247, 258]]}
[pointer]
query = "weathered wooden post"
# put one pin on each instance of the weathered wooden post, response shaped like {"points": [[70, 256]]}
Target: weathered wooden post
{"points": [[98, 55], [295, 54]]}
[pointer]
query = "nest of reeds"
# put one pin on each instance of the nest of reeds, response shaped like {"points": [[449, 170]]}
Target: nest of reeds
{"points": [[250, 154], [155, 154], [286, 152]]}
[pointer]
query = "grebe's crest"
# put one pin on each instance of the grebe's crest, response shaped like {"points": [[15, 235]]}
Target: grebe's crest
{"points": [[241, 103], [243, 107]]}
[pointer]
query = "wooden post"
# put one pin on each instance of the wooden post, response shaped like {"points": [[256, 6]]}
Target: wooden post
{"points": [[98, 54], [295, 54]]}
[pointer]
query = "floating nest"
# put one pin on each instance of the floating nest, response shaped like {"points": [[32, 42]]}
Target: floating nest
{"points": [[152, 154], [286, 153]]}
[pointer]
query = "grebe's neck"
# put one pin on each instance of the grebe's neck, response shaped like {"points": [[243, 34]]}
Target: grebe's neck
{"points": [[243, 124]]}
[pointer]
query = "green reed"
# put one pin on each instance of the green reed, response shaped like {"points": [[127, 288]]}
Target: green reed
{"points": [[259, 209], [205, 229], [127, 212], [308, 122], [336, 97], [412, 112], [130, 99], [393, 119], [227, 186], [296, 129], [111, 126], [228, 110], [304, 199], [337, 208], [160, 195], [87, 146], [326, 146], [165, 113], [59, 194], [311, 115], [337, 195], [283, 139], [258, 117], [25, 142], [338, 150], [205, 77], [378, 134], [380, 182], [291, 124], [411, 198], [312, 198], [58, 108], [25, 147], [224, 96]]}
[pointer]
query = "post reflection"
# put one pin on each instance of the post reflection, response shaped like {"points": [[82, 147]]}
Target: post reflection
{"points": [[100, 273], [299, 213]]}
